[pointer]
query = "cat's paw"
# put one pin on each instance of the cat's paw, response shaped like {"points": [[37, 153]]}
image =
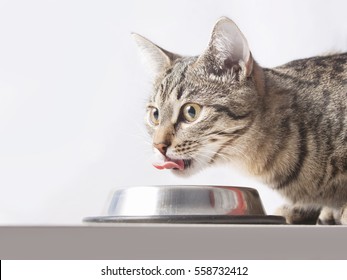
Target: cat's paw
{"points": [[328, 216], [295, 214], [343, 213]]}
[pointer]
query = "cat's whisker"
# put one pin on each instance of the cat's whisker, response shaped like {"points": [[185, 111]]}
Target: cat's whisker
{"points": [[210, 156]]}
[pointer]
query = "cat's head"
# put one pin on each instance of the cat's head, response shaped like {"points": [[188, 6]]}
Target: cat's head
{"points": [[202, 108]]}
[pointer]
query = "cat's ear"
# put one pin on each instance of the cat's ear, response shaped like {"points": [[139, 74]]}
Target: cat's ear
{"points": [[155, 58], [227, 50]]}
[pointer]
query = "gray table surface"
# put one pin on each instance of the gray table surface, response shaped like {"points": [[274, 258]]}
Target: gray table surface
{"points": [[152, 241]]}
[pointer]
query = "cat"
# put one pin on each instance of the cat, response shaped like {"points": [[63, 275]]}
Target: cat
{"points": [[286, 125]]}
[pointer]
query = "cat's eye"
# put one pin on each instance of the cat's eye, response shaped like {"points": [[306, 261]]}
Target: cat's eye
{"points": [[191, 111], [154, 115]]}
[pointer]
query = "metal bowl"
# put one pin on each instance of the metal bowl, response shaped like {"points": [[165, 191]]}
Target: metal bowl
{"points": [[186, 204]]}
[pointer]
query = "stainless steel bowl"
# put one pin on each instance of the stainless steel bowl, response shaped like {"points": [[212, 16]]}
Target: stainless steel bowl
{"points": [[186, 204], [185, 200]]}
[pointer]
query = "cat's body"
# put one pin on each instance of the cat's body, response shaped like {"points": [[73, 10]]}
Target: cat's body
{"points": [[286, 125], [302, 150], [306, 130]]}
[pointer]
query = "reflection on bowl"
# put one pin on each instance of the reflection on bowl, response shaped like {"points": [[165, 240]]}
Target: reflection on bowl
{"points": [[185, 200]]}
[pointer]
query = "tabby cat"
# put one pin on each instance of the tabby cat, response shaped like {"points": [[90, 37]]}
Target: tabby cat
{"points": [[285, 125]]}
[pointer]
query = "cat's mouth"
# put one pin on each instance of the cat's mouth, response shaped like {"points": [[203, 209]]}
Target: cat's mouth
{"points": [[175, 164]]}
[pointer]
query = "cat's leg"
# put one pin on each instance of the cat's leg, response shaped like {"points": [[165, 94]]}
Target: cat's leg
{"points": [[299, 214], [328, 216]]}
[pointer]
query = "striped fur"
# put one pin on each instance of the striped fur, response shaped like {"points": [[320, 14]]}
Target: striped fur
{"points": [[286, 125]]}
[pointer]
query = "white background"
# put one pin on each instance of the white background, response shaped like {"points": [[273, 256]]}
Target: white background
{"points": [[73, 91]]}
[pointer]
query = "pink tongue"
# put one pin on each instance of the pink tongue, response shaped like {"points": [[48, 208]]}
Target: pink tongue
{"points": [[170, 164]]}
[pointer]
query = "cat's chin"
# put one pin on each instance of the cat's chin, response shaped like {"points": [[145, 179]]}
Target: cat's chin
{"points": [[188, 171]]}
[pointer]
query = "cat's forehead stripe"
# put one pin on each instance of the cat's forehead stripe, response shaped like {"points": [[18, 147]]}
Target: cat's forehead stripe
{"points": [[179, 92], [182, 77], [173, 80]]}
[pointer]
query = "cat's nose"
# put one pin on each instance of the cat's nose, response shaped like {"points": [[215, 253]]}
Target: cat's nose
{"points": [[161, 147]]}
